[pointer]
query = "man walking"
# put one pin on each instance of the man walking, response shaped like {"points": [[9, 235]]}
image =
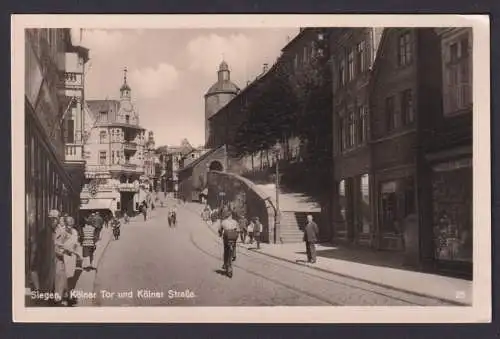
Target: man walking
{"points": [[98, 224], [88, 244], [257, 230], [311, 234]]}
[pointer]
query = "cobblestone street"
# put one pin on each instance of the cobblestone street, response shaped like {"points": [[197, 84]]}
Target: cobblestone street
{"points": [[152, 264]]}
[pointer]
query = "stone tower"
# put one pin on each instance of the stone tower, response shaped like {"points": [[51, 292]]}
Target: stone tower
{"points": [[219, 94]]}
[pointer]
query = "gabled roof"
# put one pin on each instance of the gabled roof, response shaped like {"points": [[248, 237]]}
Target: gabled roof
{"points": [[201, 158]]}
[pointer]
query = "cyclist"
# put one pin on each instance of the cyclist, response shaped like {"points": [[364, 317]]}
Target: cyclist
{"points": [[228, 230]]}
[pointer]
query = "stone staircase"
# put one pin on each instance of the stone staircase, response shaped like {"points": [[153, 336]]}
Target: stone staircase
{"points": [[294, 208]]}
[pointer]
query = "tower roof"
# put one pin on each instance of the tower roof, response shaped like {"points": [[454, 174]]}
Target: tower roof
{"points": [[125, 86], [223, 66], [223, 84]]}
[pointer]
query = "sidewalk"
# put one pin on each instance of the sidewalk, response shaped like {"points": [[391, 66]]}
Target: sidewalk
{"points": [[332, 259], [86, 279]]}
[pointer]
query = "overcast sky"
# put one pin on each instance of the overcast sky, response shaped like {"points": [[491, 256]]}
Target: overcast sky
{"points": [[171, 69]]}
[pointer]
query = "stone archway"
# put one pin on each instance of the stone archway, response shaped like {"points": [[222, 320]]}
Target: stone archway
{"points": [[216, 166]]}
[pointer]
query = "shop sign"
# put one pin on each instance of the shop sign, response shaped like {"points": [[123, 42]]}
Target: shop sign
{"points": [[389, 187], [453, 165]]}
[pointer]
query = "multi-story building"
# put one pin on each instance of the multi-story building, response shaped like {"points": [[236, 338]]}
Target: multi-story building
{"points": [[74, 115], [398, 156], [353, 52], [149, 161], [447, 144], [115, 149], [48, 183]]}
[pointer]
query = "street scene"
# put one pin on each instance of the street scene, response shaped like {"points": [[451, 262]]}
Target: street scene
{"points": [[317, 166]]}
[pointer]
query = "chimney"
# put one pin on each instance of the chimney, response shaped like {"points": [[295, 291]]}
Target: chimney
{"points": [[265, 67]]}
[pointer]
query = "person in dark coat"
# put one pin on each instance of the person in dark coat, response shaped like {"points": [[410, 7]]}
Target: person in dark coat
{"points": [[311, 234]]}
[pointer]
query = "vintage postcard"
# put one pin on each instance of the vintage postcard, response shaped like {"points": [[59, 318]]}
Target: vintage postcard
{"points": [[251, 168]]}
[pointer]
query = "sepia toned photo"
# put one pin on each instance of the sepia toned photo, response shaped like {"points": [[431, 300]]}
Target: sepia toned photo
{"points": [[251, 168]]}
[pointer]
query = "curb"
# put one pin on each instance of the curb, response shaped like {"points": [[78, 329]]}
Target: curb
{"points": [[390, 287]]}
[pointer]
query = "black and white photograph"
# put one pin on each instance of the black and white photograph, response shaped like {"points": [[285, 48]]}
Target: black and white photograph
{"points": [[252, 167]]}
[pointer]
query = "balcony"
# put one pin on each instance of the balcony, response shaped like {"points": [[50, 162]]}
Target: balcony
{"points": [[71, 80], [73, 152], [126, 167], [130, 146]]}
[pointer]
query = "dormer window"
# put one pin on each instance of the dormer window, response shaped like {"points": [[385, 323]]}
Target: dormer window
{"points": [[127, 119]]}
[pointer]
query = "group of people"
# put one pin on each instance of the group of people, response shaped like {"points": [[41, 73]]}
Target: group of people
{"points": [[73, 243]]}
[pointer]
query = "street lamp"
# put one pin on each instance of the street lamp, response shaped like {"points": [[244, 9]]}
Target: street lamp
{"points": [[277, 153]]}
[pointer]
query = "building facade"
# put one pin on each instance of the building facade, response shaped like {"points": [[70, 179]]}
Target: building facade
{"points": [[448, 156], [353, 52], [116, 151], [399, 153], [48, 184]]}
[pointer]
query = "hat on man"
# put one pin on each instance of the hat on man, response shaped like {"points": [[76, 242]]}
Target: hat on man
{"points": [[54, 214]]}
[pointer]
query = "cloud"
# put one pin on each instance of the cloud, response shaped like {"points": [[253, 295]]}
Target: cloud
{"points": [[154, 82], [103, 43], [244, 52]]}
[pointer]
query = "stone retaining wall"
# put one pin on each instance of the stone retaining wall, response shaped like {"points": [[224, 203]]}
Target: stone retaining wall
{"points": [[243, 197]]}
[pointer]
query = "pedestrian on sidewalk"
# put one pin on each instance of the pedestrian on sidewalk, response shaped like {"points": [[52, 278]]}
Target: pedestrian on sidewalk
{"points": [[144, 210], [250, 231], [98, 224], [311, 234], [73, 253], [257, 230], [243, 228], [88, 244]]}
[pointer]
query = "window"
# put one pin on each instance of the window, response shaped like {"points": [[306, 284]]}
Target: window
{"points": [[407, 115], [360, 57], [103, 116], [102, 137], [352, 130], [113, 157], [70, 131], [342, 200], [364, 204], [295, 62], [127, 119], [404, 49], [343, 136], [390, 113], [362, 124], [351, 65], [102, 158], [458, 84], [306, 54], [342, 70]]}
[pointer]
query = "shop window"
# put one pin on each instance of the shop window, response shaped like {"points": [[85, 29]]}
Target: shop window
{"points": [[452, 213], [388, 208], [343, 200], [364, 204]]}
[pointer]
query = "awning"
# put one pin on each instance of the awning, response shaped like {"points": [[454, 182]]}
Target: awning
{"points": [[96, 204]]}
